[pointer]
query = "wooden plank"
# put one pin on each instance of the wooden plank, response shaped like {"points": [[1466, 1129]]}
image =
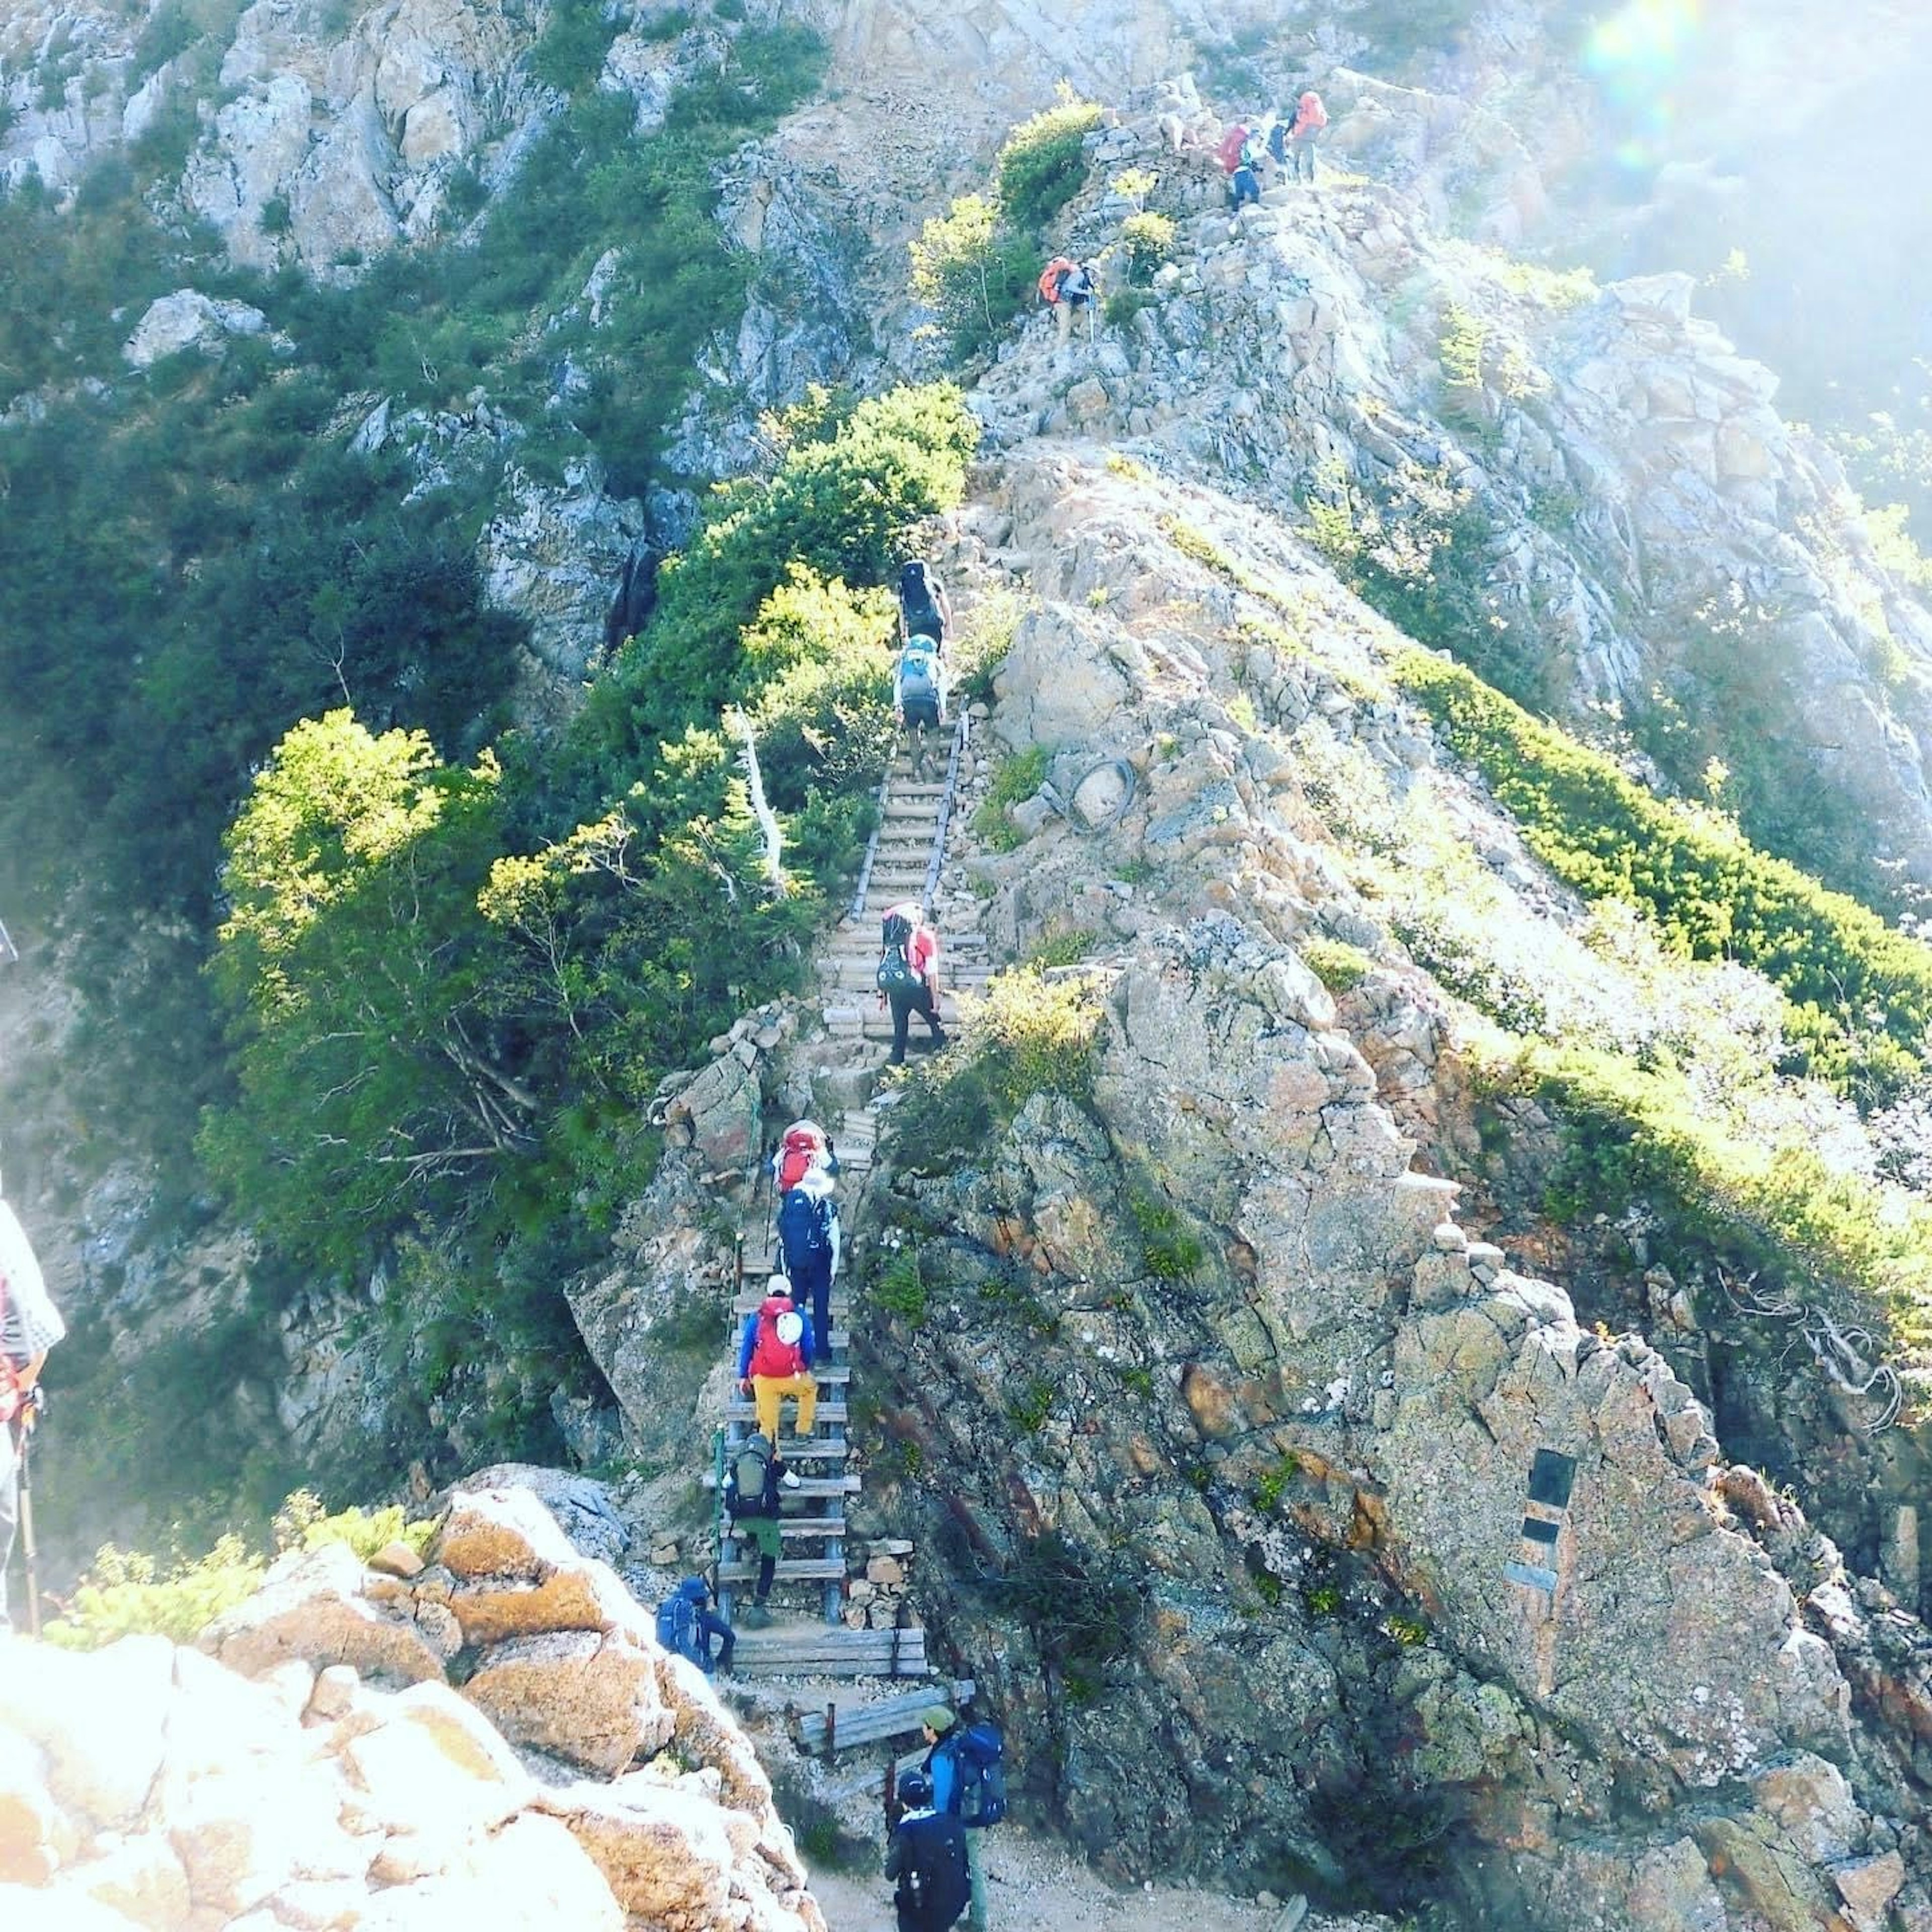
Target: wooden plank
{"points": [[807, 1485], [875, 1779], [803, 1653], [873, 1723], [788, 1570]]}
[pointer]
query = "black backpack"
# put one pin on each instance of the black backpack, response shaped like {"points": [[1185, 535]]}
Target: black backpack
{"points": [[934, 1878], [1277, 142], [895, 974], [805, 1226], [982, 1775], [919, 598]]}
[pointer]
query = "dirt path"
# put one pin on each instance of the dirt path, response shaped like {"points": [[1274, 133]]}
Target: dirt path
{"points": [[1034, 1886]]}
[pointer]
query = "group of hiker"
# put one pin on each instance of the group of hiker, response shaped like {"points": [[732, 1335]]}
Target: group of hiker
{"points": [[1287, 141]]}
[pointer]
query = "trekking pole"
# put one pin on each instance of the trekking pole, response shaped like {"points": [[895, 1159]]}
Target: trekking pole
{"points": [[29, 1551], [771, 1208]]}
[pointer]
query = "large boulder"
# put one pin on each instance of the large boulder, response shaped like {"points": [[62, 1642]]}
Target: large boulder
{"points": [[591, 1700], [517, 1574], [315, 1605], [101, 1720]]}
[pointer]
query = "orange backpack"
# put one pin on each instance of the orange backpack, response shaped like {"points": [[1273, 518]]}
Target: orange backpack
{"points": [[1055, 272]]}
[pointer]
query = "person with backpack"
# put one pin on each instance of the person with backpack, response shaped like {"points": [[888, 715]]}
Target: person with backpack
{"points": [[925, 609], [810, 1239], [30, 1325], [803, 1146], [928, 1858], [908, 974], [775, 1360], [919, 693], [1310, 122], [967, 1765], [687, 1623], [1066, 286], [1244, 180], [754, 1500]]}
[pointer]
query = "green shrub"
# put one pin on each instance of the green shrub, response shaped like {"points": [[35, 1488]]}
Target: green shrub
{"points": [[1149, 240], [1340, 967], [125, 1593], [1862, 991], [1043, 163], [1063, 949], [1018, 779], [1169, 1252], [303, 1523], [1083, 1610], [1031, 1404], [1028, 1035], [902, 1289], [973, 272]]}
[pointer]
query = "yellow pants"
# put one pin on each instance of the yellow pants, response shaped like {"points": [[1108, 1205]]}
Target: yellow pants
{"points": [[767, 1391]]}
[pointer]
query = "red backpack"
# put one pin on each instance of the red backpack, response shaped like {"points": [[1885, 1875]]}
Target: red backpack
{"points": [[1232, 142], [803, 1147], [771, 1356], [1050, 277]]}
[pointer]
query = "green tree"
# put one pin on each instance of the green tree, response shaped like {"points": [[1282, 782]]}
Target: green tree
{"points": [[355, 967]]}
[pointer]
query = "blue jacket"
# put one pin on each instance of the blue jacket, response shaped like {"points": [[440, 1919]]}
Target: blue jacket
{"points": [[748, 1340], [942, 1766]]}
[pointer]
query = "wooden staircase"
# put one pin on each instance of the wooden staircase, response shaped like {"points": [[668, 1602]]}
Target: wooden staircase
{"points": [[903, 863]]}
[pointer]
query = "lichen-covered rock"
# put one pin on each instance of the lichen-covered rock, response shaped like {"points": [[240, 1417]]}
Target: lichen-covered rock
{"points": [[589, 1698], [315, 1605]]}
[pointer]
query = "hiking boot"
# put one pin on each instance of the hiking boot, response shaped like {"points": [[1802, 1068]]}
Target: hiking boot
{"points": [[755, 1616]]}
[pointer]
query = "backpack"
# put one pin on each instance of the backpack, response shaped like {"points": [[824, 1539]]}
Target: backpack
{"points": [[677, 1627], [1050, 277], [1277, 142], [805, 1226], [1252, 149], [896, 972], [982, 1789], [803, 1147], [771, 1353], [919, 599], [1232, 142], [918, 669], [1309, 114], [752, 1487], [935, 1880]]}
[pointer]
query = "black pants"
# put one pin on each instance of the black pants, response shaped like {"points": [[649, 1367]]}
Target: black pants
{"points": [[904, 1005], [811, 1281]]}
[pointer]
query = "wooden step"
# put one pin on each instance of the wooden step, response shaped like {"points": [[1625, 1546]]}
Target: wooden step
{"points": [[832, 1414], [817, 1650], [749, 1300], [803, 1528], [788, 1570], [808, 1486]]}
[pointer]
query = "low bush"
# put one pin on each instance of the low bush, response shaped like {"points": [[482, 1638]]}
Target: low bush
{"points": [[1017, 779], [1148, 239], [1043, 162], [125, 1593], [1862, 992], [1340, 967], [1028, 1035]]}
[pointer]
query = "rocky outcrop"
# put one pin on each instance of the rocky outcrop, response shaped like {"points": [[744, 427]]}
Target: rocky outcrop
{"points": [[151, 1785]]}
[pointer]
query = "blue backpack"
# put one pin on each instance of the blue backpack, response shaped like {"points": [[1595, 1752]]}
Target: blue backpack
{"points": [[982, 1776], [918, 669], [677, 1628], [805, 1226]]}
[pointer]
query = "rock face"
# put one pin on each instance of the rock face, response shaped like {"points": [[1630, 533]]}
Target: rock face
{"points": [[148, 1785]]}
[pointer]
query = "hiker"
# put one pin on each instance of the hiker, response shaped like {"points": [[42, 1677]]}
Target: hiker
{"points": [[803, 1146], [754, 1499], [687, 1623], [1244, 178], [929, 1859], [908, 974], [775, 1360], [1310, 121], [30, 1325], [952, 1772], [925, 609], [810, 1239], [1231, 145], [919, 693], [1067, 286]]}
